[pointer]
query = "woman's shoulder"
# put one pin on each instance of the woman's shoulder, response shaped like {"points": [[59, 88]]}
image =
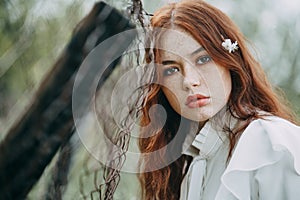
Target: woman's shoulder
{"points": [[266, 140], [272, 134], [267, 144], [272, 125]]}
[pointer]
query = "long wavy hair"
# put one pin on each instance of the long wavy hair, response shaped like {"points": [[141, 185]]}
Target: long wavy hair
{"points": [[251, 91]]}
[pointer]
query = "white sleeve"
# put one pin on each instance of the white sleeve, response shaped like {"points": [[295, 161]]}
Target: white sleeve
{"points": [[265, 163]]}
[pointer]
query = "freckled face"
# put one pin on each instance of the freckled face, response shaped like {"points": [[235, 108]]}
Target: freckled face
{"points": [[195, 86]]}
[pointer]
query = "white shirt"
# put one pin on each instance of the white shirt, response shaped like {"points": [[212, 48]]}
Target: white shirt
{"points": [[265, 163]]}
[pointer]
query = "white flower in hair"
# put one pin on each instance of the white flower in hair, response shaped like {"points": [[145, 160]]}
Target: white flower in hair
{"points": [[231, 47]]}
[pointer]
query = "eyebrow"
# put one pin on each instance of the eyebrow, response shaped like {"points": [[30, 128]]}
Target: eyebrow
{"points": [[198, 50], [170, 62]]}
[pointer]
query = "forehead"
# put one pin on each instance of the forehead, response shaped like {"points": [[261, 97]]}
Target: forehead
{"points": [[178, 42]]}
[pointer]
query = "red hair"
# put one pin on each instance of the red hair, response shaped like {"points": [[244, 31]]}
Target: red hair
{"points": [[251, 91]]}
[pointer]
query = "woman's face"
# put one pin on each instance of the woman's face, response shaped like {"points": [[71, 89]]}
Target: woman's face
{"points": [[195, 86]]}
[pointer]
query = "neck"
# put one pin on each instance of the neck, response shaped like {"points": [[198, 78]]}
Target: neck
{"points": [[201, 125]]}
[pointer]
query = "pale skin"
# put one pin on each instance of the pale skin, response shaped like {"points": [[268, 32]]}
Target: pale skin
{"points": [[195, 86]]}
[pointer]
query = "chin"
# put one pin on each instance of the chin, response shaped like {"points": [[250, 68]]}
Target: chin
{"points": [[202, 114], [198, 117]]}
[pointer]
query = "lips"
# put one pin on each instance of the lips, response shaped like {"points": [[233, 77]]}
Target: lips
{"points": [[197, 100]]}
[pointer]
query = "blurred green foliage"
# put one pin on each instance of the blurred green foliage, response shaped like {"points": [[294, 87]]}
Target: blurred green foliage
{"points": [[34, 32], [31, 38]]}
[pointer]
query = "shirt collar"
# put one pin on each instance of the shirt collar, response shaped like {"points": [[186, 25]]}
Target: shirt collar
{"points": [[212, 135]]}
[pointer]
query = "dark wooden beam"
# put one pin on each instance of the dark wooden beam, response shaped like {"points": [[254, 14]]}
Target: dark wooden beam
{"points": [[35, 138]]}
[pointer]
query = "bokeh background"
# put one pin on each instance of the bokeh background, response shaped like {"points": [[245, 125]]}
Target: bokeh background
{"points": [[34, 33]]}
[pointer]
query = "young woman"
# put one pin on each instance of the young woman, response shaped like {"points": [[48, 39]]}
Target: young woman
{"points": [[245, 145]]}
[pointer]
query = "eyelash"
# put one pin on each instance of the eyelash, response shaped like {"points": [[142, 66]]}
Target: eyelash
{"points": [[170, 70], [206, 57]]}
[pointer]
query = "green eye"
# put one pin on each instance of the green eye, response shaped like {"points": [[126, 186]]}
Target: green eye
{"points": [[203, 59], [170, 71]]}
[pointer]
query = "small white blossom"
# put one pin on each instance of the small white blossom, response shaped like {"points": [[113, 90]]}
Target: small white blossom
{"points": [[231, 47]]}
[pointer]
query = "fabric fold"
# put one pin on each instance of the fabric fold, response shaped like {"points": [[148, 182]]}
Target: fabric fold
{"points": [[204, 146], [265, 143]]}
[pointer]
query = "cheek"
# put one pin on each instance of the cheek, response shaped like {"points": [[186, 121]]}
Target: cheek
{"points": [[172, 84], [226, 82], [172, 90], [218, 82]]}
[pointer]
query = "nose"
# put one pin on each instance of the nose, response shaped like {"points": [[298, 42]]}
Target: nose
{"points": [[191, 78]]}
